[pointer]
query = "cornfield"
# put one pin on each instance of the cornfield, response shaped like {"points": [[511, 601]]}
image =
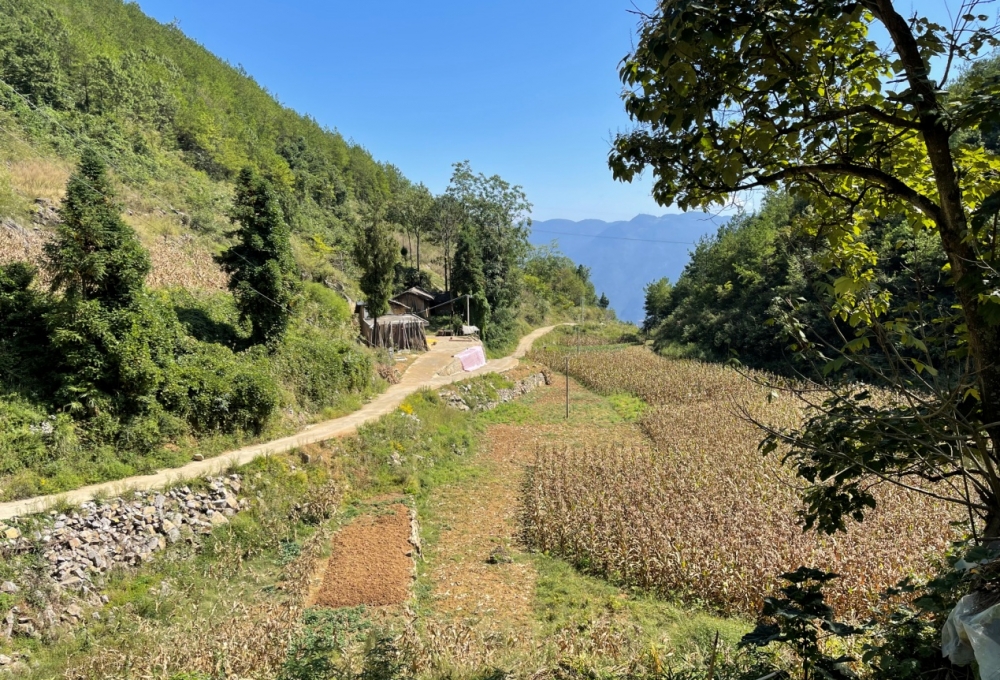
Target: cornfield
{"points": [[700, 512]]}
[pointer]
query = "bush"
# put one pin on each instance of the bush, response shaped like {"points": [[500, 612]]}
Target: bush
{"points": [[321, 306], [318, 369], [216, 389], [29, 436], [25, 360], [114, 358]]}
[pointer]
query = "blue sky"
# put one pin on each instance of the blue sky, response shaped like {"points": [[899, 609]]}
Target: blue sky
{"points": [[524, 89]]}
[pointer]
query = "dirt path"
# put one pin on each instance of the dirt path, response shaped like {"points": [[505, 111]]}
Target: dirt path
{"points": [[479, 574], [424, 372]]}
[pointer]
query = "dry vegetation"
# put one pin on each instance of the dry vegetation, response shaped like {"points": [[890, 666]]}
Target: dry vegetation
{"points": [[702, 513], [37, 183], [177, 261]]}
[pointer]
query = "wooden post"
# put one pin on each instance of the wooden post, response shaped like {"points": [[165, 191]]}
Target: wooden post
{"points": [[468, 319], [567, 387]]}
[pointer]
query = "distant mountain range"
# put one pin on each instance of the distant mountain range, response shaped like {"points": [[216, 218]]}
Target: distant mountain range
{"points": [[625, 256]]}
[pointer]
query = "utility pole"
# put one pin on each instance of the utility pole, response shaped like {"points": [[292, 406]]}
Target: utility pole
{"points": [[468, 319], [567, 388]]}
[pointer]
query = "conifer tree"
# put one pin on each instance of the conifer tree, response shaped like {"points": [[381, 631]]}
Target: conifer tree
{"points": [[376, 253], [261, 267], [95, 254]]}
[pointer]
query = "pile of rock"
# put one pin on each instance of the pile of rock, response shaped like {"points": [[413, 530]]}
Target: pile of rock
{"points": [[523, 387], [15, 664], [454, 398], [126, 532]]}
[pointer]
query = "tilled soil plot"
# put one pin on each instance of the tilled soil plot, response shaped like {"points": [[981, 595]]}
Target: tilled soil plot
{"points": [[372, 561]]}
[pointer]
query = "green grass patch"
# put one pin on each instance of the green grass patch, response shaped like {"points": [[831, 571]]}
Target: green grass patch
{"points": [[629, 407], [565, 598]]}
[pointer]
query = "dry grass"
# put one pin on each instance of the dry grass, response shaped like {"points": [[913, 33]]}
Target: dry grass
{"points": [[181, 261], [702, 513], [21, 244], [35, 178]]}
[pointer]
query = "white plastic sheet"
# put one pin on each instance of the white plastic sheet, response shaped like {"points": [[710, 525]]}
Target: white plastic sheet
{"points": [[472, 358], [972, 635]]}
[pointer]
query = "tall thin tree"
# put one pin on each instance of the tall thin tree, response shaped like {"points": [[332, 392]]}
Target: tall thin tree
{"points": [[260, 264]]}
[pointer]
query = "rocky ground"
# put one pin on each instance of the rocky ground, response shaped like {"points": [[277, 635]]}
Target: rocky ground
{"points": [[466, 397], [78, 547]]}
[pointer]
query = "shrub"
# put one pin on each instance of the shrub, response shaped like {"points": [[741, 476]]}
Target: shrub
{"points": [[321, 306], [216, 389], [114, 358], [29, 436], [25, 362], [318, 369]]}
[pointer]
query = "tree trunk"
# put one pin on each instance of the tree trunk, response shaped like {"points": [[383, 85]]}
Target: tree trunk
{"points": [[418, 250], [953, 227]]}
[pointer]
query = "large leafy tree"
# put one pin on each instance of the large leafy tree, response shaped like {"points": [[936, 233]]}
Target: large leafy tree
{"points": [[497, 212], [737, 95], [411, 210], [95, 255], [467, 276], [261, 267], [447, 218]]}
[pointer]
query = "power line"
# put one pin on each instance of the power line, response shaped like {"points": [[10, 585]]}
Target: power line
{"points": [[613, 238]]}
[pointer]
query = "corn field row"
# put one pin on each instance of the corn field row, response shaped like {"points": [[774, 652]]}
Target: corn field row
{"points": [[699, 512]]}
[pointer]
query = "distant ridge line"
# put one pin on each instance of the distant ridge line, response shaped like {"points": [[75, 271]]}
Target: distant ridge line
{"points": [[613, 238]]}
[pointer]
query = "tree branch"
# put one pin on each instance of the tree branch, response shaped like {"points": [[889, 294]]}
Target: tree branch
{"points": [[893, 185]]}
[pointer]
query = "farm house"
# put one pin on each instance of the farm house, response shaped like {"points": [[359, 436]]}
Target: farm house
{"points": [[418, 300]]}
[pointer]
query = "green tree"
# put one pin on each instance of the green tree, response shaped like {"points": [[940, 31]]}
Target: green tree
{"points": [[376, 254], [740, 94], [498, 213], [467, 276], [95, 255], [25, 352], [603, 302], [657, 303], [411, 210], [30, 59], [262, 271], [447, 217]]}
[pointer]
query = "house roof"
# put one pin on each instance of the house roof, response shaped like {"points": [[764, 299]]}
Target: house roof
{"points": [[393, 319], [419, 292]]}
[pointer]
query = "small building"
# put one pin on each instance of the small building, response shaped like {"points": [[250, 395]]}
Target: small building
{"points": [[399, 331], [418, 300]]}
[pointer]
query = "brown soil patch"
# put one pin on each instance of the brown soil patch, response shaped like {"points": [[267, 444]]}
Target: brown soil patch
{"points": [[372, 561]]}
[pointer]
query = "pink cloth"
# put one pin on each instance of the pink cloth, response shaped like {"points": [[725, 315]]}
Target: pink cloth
{"points": [[472, 358]]}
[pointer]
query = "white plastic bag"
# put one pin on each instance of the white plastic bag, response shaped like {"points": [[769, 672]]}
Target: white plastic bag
{"points": [[970, 635]]}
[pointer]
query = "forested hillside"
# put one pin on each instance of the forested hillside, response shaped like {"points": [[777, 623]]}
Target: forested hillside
{"points": [[175, 121], [178, 251], [742, 282]]}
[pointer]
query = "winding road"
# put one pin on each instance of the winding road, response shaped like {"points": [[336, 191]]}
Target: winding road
{"points": [[430, 370]]}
